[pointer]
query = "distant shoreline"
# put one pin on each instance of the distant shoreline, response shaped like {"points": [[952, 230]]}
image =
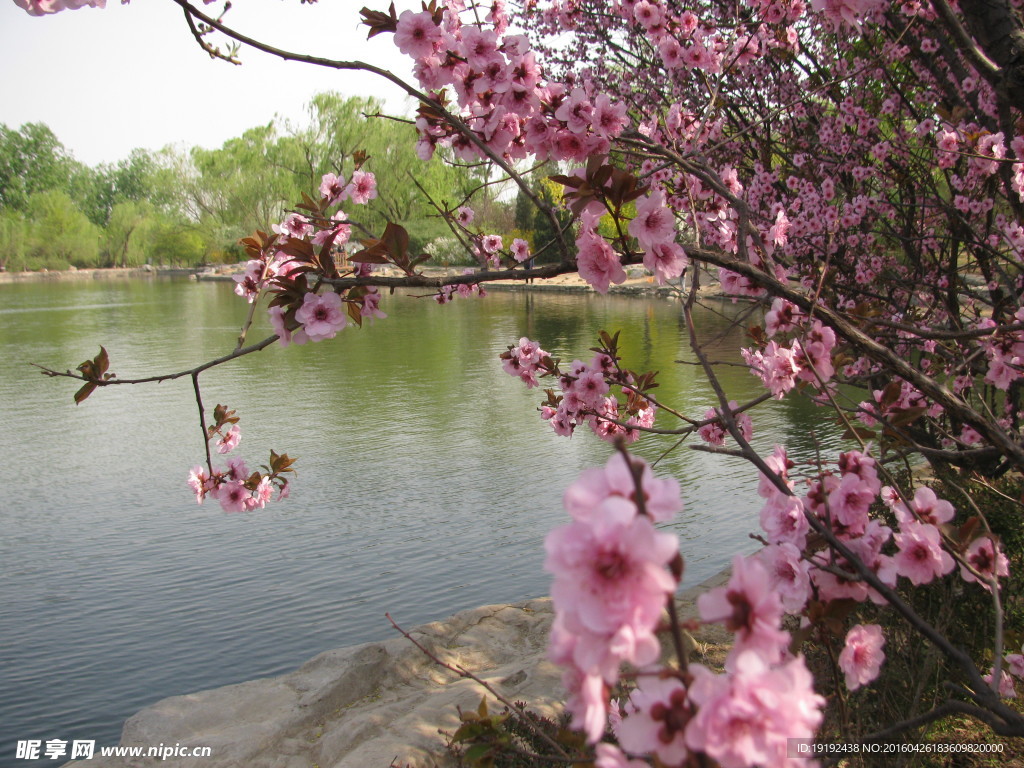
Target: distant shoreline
{"points": [[109, 273], [640, 285]]}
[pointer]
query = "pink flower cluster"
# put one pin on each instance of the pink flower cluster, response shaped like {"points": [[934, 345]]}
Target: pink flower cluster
{"points": [[503, 99], [259, 273], [713, 430], [361, 189], [230, 487], [499, 90], [611, 581], [43, 7], [1004, 351], [525, 361], [319, 317], [654, 227], [585, 397], [743, 717], [596, 260], [884, 406], [807, 358]]}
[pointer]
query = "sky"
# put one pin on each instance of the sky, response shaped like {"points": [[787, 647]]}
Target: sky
{"points": [[107, 81]]}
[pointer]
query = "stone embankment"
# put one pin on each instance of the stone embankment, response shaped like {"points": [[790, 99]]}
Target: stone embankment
{"points": [[372, 705]]}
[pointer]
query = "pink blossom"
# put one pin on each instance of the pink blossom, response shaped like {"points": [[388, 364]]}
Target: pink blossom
{"points": [[229, 441], [371, 305], [610, 570], [776, 366], [282, 265], [249, 283], [263, 493], [653, 222], [749, 607], [1015, 664], [237, 470], [464, 215], [598, 263], [851, 12], [666, 261], [234, 497], [321, 316], [920, 557], [491, 243], [587, 702], [294, 224], [591, 388], [788, 575], [333, 188], [609, 118], [862, 656], [479, 46], [926, 507], [849, 503], [985, 556], [576, 111], [520, 250], [783, 520], [778, 234], [1006, 688], [714, 432], [199, 482], [524, 361], [782, 317], [615, 479], [416, 34], [363, 187], [655, 718], [42, 7], [747, 716], [338, 230], [610, 756], [780, 464], [285, 336]]}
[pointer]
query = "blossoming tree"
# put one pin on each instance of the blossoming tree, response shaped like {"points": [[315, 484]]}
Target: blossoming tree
{"points": [[853, 169]]}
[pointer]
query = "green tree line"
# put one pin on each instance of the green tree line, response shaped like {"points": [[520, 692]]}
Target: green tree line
{"points": [[184, 207]]}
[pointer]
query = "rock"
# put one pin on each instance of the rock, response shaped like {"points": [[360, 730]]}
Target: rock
{"points": [[376, 704]]}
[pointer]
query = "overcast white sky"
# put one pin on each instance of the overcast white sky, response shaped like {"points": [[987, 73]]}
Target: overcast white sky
{"points": [[107, 81]]}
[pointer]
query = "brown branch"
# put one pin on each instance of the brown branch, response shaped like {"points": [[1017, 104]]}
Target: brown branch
{"points": [[193, 372], [202, 422]]}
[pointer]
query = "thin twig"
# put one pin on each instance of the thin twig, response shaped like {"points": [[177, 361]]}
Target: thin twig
{"points": [[464, 673]]}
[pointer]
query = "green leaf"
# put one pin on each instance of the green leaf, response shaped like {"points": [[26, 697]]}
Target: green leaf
{"points": [[477, 752]]}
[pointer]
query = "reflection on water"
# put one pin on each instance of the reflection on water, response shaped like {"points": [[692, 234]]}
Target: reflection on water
{"points": [[426, 484]]}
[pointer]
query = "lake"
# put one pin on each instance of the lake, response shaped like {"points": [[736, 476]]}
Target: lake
{"points": [[426, 483]]}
